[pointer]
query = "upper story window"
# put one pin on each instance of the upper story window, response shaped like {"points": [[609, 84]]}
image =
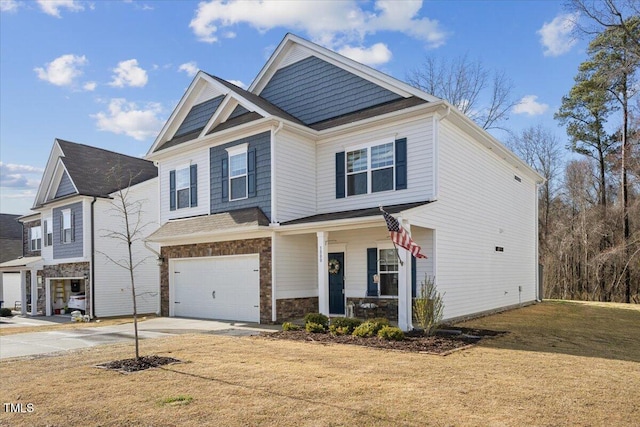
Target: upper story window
{"points": [[183, 187], [35, 238], [238, 176], [388, 272], [48, 232], [372, 169], [67, 227], [239, 173]]}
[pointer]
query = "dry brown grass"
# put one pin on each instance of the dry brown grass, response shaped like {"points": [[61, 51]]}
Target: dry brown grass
{"points": [[563, 364], [11, 330]]}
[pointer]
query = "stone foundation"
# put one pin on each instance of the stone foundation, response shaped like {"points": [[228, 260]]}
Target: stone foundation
{"points": [[295, 308], [386, 307], [261, 246]]}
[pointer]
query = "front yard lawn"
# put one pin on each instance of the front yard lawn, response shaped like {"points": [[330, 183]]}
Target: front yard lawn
{"points": [[560, 364]]}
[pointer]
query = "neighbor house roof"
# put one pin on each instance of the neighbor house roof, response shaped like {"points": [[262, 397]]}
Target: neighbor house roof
{"points": [[241, 219], [10, 237], [92, 169]]}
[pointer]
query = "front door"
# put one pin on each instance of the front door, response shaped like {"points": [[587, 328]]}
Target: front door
{"points": [[336, 283]]}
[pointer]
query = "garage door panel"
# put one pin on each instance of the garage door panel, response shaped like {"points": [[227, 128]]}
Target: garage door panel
{"points": [[225, 287]]}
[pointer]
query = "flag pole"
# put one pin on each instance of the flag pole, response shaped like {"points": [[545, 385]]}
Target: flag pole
{"points": [[394, 243]]}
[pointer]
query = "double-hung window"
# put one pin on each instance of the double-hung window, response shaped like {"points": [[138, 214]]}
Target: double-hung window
{"points": [[35, 238], [370, 169], [388, 272], [48, 232], [183, 187], [67, 226], [238, 172]]}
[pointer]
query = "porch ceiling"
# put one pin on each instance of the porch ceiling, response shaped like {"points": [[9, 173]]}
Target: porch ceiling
{"points": [[22, 263]]}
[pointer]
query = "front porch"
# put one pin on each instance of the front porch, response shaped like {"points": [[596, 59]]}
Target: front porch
{"points": [[32, 295]]}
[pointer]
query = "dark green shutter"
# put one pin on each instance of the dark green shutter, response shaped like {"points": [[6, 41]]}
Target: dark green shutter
{"points": [[172, 190], [251, 172], [225, 179], [414, 277], [340, 175], [372, 269], [194, 185], [73, 226], [401, 164]]}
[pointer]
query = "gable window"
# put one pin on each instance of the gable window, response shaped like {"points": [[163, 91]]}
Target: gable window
{"points": [[48, 232], [35, 234], [67, 229], [183, 187], [372, 169], [388, 272]]}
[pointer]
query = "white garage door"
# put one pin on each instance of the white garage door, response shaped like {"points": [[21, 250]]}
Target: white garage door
{"points": [[225, 287]]}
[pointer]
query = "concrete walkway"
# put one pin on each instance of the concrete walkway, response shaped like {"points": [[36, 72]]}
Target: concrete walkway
{"points": [[39, 343]]}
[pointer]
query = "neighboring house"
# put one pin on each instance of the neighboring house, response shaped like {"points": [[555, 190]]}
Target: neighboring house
{"points": [[10, 248], [269, 197], [66, 248]]}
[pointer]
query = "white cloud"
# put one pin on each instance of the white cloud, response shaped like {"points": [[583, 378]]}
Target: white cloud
{"points": [[90, 86], [18, 176], [529, 105], [125, 117], [191, 68], [377, 54], [238, 83], [62, 71], [128, 73], [9, 6], [329, 23], [556, 37], [52, 7]]}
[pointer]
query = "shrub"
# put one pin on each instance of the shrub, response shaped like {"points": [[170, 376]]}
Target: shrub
{"points": [[288, 326], [339, 330], [346, 323], [5, 312], [391, 333], [318, 318], [369, 328], [428, 307], [314, 327], [383, 321]]}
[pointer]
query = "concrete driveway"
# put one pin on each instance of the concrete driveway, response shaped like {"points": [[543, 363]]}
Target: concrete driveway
{"points": [[39, 343]]}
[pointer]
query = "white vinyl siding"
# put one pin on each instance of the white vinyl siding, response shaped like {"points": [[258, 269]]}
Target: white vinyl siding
{"points": [[112, 283], [295, 179], [480, 206], [297, 279], [199, 157], [419, 134]]}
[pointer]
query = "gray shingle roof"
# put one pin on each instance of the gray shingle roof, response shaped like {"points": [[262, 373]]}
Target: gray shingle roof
{"points": [[90, 168], [10, 228]]}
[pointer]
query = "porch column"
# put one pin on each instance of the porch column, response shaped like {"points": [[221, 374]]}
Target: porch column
{"points": [[323, 273], [404, 288], [47, 292], [23, 292], [34, 292], [4, 304]]}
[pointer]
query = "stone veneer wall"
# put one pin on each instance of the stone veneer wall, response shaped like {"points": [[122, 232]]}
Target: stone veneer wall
{"points": [[261, 246], [26, 243], [72, 269], [295, 308], [387, 307], [42, 296]]}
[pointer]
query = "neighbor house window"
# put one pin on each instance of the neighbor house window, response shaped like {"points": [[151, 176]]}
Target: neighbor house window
{"points": [[370, 169], [67, 226], [35, 238], [183, 187], [48, 232], [388, 272], [238, 179]]}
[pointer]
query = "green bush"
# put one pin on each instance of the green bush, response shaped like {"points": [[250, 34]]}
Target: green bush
{"points": [[314, 327], [383, 321], [5, 312], [288, 326], [349, 324], [339, 330], [318, 318], [391, 333]]}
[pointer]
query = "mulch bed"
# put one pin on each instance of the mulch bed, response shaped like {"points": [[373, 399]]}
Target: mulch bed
{"points": [[443, 343], [133, 365]]}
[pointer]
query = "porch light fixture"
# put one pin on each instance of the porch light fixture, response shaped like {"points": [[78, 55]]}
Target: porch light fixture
{"points": [[159, 261]]}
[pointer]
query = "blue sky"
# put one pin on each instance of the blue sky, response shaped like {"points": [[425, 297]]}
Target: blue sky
{"points": [[109, 73]]}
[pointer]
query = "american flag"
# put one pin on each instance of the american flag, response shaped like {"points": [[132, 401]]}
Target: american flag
{"points": [[400, 237]]}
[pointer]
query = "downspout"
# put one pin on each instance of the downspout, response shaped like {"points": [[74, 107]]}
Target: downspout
{"points": [[274, 304], [93, 259]]}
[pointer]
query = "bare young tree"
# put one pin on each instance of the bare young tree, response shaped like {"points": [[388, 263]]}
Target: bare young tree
{"points": [[127, 212], [484, 96]]}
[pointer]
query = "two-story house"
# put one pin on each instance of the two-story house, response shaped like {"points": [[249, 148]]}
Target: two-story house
{"points": [[68, 254], [270, 196]]}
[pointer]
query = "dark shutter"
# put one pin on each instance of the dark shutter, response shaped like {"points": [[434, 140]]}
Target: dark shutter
{"points": [[372, 269], [194, 185], [401, 164], [44, 232], [340, 175], [414, 277], [225, 179], [172, 190], [251, 172], [73, 226]]}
